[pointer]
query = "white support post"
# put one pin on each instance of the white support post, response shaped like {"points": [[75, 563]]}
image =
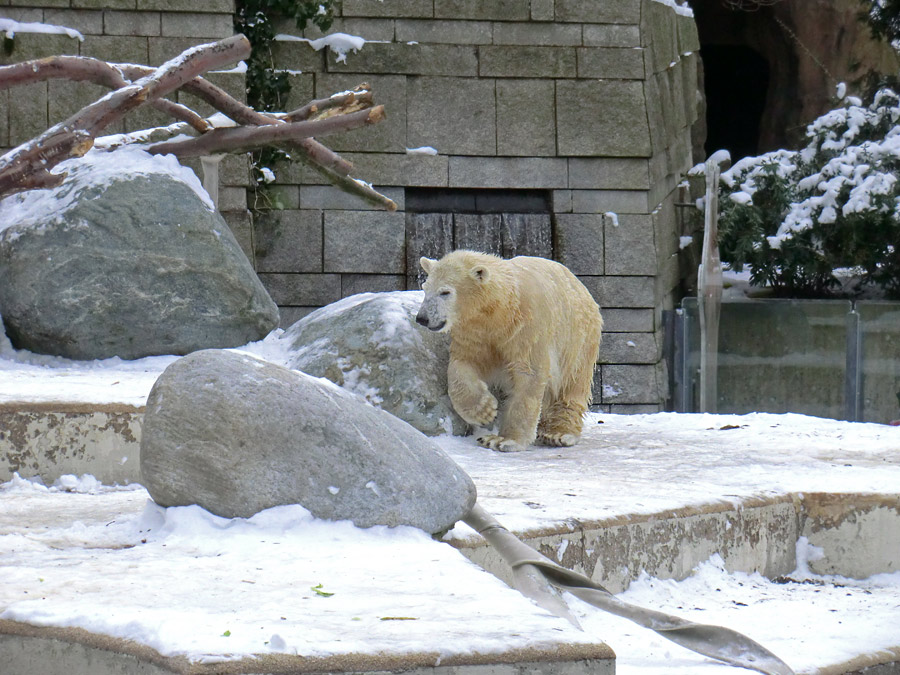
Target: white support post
{"points": [[210, 166], [709, 293]]}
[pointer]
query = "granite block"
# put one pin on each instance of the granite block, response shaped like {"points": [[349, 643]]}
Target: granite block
{"points": [[369, 242], [579, 242]]}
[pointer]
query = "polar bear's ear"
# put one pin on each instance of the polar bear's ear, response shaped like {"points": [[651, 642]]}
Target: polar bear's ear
{"points": [[479, 273], [427, 264]]}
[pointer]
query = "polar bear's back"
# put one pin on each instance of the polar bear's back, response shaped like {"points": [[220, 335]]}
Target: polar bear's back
{"points": [[567, 317], [550, 288]]}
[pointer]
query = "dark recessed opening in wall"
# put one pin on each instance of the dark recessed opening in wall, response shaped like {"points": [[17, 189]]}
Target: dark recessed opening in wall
{"points": [[504, 222], [475, 200], [736, 81]]}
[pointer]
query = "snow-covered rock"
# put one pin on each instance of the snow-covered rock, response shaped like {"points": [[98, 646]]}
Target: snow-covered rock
{"points": [[127, 257], [238, 435], [371, 344]]}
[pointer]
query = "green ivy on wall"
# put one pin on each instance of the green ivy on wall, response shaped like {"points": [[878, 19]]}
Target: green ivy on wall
{"points": [[268, 87]]}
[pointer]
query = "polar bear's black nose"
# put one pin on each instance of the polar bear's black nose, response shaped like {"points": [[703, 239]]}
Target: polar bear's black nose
{"points": [[422, 320]]}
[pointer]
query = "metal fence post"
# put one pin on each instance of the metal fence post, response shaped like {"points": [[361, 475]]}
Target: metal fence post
{"points": [[853, 371]]}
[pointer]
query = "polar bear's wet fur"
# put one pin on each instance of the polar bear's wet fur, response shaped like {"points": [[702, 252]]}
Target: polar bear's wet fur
{"points": [[526, 329]]}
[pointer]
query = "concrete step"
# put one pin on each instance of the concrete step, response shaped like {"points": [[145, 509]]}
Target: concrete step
{"points": [[666, 537], [32, 650]]}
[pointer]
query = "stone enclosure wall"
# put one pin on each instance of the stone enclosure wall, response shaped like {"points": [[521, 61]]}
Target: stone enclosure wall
{"points": [[562, 128], [548, 117]]}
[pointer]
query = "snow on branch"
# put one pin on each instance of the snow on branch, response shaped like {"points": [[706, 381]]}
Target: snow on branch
{"points": [[29, 165], [237, 139]]}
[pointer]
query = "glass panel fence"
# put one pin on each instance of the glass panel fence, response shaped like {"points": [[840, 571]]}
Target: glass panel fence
{"points": [[774, 356], [879, 339]]}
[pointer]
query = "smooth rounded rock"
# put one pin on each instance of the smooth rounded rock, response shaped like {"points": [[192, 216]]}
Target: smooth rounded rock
{"points": [[237, 435], [128, 258], [371, 344]]}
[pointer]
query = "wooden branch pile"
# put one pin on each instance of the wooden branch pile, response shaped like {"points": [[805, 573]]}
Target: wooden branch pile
{"points": [[29, 166]]}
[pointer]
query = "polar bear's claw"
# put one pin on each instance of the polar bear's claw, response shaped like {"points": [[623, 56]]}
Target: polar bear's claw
{"points": [[482, 414], [500, 443], [558, 440]]}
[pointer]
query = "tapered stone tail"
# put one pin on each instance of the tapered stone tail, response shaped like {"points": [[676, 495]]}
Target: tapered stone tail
{"points": [[540, 579]]}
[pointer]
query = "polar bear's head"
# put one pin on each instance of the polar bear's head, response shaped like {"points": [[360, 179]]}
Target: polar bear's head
{"points": [[447, 278]]}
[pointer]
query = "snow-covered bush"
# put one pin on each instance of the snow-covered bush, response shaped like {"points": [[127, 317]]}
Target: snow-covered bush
{"points": [[794, 217]]}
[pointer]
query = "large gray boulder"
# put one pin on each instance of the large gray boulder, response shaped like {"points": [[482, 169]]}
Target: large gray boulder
{"points": [[237, 435], [126, 258], [371, 344]]}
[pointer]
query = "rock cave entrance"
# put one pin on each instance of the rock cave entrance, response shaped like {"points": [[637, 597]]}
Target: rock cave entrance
{"points": [[736, 82]]}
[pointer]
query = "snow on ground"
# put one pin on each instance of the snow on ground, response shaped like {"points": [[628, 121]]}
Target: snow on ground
{"points": [[185, 582], [646, 464], [811, 625], [38, 378]]}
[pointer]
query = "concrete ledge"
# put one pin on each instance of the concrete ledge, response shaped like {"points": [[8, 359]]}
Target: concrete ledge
{"points": [[853, 527], [758, 535], [52, 439], [73, 651]]}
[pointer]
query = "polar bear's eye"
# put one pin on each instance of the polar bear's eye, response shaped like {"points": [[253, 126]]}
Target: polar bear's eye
{"points": [[444, 293]]}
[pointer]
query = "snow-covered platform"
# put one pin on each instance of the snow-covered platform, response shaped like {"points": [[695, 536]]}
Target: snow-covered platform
{"points": [[784, 527]]}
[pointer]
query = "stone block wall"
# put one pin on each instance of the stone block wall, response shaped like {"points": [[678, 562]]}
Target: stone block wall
{"points": [[577, 111], [147, 32], [587, 102]]}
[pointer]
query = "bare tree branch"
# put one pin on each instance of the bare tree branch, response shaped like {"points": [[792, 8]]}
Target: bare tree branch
{"points": [[74, 137], [77, 68], [182, 113], [243, 114], [163, 80], [355, 187], [28, 166], [119, 75], [88, 69], [242, 139], [358, 99]]}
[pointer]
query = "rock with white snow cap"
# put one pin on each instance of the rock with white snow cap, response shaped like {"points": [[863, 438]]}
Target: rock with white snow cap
{"points": [[237, 435], [127, 257], [371, 344]]}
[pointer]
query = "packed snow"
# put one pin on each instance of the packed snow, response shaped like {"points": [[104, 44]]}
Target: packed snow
{"points": [[858, 170], [96, 168], [185, 582], [682, 9], [339, 43], [11, 27]]}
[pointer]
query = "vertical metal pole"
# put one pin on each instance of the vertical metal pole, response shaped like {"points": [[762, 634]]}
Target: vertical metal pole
{"points": [[688, 364], [709, 293], [679, 361], [853, 371]]}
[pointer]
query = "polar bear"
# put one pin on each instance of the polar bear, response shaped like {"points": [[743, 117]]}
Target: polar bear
{"points": [[525, 328]]}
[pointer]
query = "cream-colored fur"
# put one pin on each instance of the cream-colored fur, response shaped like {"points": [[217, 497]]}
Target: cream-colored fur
{"points": [[526, 329]]}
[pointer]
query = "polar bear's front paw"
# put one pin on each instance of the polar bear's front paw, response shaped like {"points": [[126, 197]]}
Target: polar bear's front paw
{"points": [[500, 443], [558, 440], [481, 414]]}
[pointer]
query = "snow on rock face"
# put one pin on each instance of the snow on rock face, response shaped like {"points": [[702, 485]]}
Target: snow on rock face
{"points": [[127, 258], [237, 435], [370, 344], [96, 171]]}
